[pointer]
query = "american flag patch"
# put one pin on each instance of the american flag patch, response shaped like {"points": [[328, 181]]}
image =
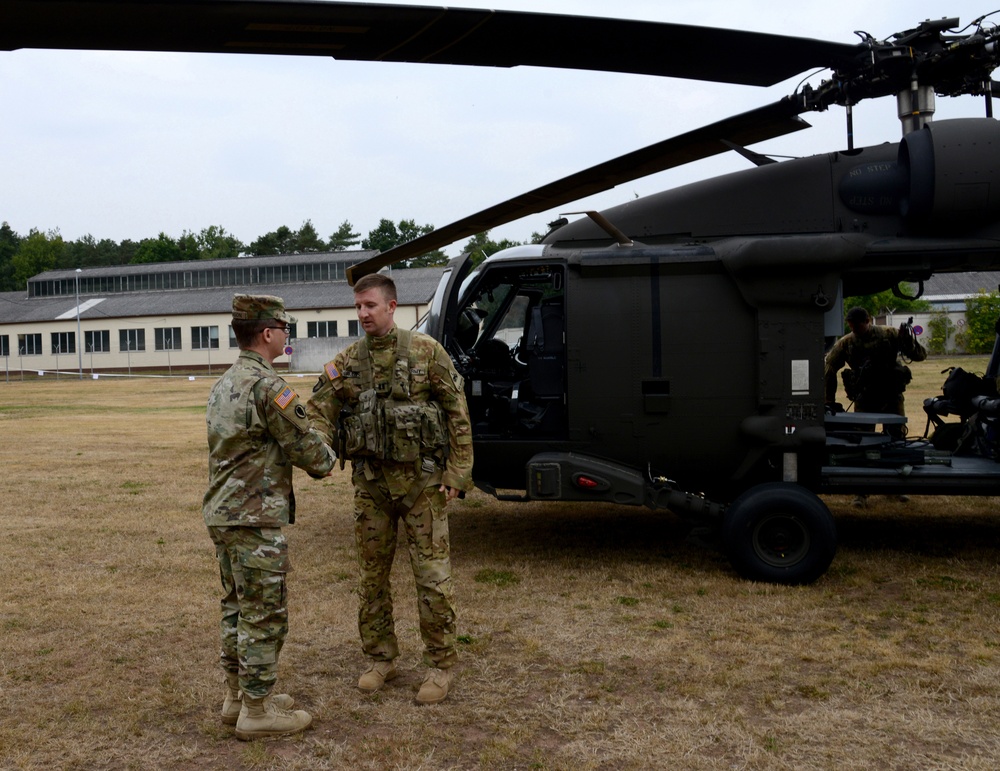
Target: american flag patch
{"points": [[284, 398], [331, 371]]}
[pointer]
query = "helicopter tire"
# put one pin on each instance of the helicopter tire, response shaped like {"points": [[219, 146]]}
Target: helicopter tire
{"points": [[779, 532]]}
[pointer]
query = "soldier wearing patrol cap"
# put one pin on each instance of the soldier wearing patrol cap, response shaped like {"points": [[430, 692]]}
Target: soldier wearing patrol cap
{"points": [[257, 430], [396, 406]]}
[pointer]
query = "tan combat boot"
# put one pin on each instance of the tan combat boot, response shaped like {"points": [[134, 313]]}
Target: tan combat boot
{"points": [[375, 676], [435, 686], [262, 717], [233, 701]]}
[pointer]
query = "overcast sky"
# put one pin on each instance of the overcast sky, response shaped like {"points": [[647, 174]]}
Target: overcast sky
{"points": [[126, 145]]}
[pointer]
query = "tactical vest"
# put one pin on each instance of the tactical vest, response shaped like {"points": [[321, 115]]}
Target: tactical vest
{"points": [[393, 427]]}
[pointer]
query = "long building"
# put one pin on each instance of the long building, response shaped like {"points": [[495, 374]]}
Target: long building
{"points": [[163, 316]]}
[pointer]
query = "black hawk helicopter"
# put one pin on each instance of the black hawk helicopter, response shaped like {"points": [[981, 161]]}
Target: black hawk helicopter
{"points": [[668, 352]]}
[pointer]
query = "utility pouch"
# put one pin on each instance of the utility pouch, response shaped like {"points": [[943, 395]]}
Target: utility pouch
{"points": [[372, 423], [364, 431], [433, 430], [353, 436], [403, 428]]}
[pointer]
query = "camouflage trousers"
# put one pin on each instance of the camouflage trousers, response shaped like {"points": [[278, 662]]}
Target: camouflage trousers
{"points": [[253, 562], [426, 529]]}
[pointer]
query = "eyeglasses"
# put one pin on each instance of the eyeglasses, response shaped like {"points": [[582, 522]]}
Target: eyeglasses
{"points": [[286, 330]]}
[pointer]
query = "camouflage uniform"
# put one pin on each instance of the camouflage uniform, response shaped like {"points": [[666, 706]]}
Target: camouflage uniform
{"points": [[874, 355], [384, 489], [257, 430]]}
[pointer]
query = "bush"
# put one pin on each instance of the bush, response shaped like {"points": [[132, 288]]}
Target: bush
{"points": [[981, 314], [941, 328]]}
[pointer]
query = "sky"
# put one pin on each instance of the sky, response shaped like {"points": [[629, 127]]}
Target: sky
{"points": [[127, 145]]}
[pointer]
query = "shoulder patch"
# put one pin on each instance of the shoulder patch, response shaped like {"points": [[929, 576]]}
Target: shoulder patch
{"points": [[331, 371], [284, 398]]}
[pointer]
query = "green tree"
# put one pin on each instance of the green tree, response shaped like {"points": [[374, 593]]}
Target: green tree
{"points": [[388, 235], [160, 249], [280, 241], [308, 240], [187, 246], [127, 250], [940, 327], [344, 237], [37, 253], [214, 243], [981, 314], [886, 301], [10, 242], [481, 246], [88, 252]]}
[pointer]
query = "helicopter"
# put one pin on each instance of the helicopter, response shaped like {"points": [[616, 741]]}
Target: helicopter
{"points": [[668, 351]]}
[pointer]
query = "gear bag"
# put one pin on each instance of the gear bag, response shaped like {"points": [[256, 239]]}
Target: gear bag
{"points": [[960, 386]]}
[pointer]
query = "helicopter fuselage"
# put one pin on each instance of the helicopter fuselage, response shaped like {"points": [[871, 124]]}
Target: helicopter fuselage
{"points": [[694, 355]]}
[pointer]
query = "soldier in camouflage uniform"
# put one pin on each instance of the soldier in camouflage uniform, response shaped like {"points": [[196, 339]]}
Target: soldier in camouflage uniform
{"points": [[876, 379], [394, 404], [257, 430]]}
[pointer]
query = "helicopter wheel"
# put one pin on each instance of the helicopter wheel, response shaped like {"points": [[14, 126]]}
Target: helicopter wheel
{"points": [[780, 533]]}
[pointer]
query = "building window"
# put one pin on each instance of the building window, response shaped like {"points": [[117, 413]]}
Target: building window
{"points": [[63, 342], [168, 338], [352, 328], [322, 329], [203, 338], [98, 341], [232, 338], [30, 345], [131, 339], [293, 331], [4, 345]]}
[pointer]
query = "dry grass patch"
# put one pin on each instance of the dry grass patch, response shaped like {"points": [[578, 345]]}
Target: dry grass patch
{"points": [[592, 637]]}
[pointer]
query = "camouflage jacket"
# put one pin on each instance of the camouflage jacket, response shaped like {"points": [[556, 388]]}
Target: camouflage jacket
{"points": [[875, 353], [432, 378], [257, 430]]}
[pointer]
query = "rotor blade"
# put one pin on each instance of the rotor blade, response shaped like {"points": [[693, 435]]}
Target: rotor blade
{"points": [[438, 35], [774, 120]]}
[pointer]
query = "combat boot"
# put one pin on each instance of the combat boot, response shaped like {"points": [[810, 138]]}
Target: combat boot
{"points": [[376, 675], [233, 701], [435, 686], [262, 717]]}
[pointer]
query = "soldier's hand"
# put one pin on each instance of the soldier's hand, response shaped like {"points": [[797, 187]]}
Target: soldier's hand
{"points": [[450, 493]]}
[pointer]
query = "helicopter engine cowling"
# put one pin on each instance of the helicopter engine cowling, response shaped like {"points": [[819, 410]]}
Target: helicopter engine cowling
{"points": [[950, 174]]}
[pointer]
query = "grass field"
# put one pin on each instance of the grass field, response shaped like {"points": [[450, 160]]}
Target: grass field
{"points": [[592, 637]]}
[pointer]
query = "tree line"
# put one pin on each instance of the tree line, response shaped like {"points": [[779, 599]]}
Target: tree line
{"points": [[24, 256]]}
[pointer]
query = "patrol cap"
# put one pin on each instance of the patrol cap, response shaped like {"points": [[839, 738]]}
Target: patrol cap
{"points": [[260, 307], [857, 314]]}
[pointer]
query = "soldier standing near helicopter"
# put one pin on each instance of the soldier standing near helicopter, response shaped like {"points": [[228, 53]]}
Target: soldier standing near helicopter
{"points": [[876, 379], [394, 404]]}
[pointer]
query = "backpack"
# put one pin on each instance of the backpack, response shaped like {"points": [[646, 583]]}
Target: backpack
{"points": [[960, 386]]}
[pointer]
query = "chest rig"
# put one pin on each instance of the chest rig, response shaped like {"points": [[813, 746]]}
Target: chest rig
{"points": [[388, 424], [390, 427]]}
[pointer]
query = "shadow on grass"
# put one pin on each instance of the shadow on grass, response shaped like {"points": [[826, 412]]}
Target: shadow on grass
{"points": [[583, 534]]}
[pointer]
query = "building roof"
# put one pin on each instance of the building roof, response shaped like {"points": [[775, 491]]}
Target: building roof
{"points": [[957, 286], [148, 268], [414, 286]]}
